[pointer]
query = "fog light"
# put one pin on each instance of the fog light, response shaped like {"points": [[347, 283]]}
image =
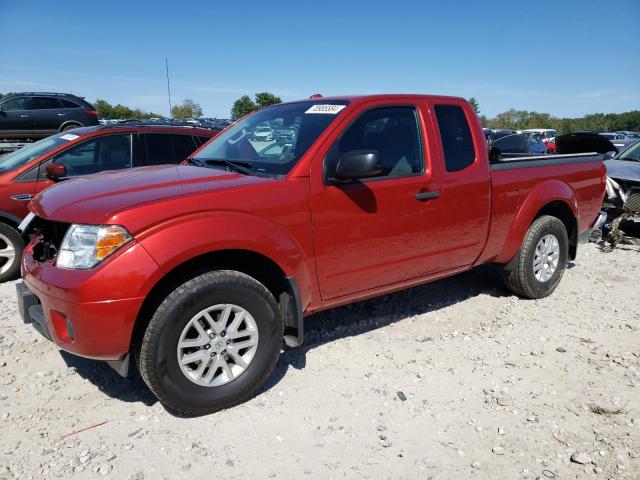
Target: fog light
{"points": [[62, 326]]}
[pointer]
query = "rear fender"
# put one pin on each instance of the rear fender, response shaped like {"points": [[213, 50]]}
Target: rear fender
{"points": [[543, 194]]}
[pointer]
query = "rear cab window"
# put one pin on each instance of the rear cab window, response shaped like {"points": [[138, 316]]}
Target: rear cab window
{"points": [[455, 135]]}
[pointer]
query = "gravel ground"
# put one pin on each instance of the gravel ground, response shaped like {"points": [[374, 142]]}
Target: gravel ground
{"points": [[456, 379]]}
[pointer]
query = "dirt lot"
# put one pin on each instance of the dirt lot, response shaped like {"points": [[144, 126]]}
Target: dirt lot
{"points": [[457, 379]]}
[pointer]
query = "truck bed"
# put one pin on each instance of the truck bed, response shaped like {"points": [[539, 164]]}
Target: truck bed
{"points": [[515, 160], [520, 181]]}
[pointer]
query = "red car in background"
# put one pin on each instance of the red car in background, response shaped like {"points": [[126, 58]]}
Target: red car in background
{"points": [[550, 145], [83, 151]]}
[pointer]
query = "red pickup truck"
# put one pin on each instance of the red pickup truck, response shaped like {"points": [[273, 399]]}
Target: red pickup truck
{"points": [[198, 272]]}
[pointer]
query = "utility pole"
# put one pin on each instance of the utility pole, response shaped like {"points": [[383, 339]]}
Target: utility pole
{"points": [[166, 62]]}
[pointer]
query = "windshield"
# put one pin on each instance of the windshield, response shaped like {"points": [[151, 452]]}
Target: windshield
{"points": [[272, 154], [27, 153], [631, 153]]}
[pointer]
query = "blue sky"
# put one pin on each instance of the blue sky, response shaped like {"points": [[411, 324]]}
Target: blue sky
{"points": [[567, 58]]}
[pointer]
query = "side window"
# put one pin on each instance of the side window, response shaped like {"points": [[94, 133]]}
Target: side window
{"points": [[43, 103], [204, 140], [392, 131], [183, 146], [457, 143], [159, 148], [111, 152], [17, 103], [512, 143], [69, 104]]}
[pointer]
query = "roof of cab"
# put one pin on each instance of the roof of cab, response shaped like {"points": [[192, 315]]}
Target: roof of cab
{"points": [[385, 96]]}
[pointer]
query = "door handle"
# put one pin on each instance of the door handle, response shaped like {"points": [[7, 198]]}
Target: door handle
{"points": [[22, 196], [424, 196], [24, 116], [62, 114]]}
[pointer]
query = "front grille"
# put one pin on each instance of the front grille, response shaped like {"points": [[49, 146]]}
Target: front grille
{"points": [[50, 236], [633, 200]]}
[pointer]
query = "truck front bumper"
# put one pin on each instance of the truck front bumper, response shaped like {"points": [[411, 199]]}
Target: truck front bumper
{"points": [[90, 313]]}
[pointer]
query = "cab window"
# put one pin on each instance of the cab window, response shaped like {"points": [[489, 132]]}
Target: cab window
{"points": [[457, 143], [393, 132], [112, 152]]}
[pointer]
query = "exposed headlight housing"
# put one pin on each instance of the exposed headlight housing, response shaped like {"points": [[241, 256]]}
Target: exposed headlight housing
{"points": [[84, 246]]}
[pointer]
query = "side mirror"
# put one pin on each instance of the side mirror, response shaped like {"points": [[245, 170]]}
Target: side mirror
{"points": [[56, 171], [610, 155], [358, 164]]}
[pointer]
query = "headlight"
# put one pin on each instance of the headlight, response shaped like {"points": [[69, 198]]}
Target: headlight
{"points": [[84, 246]]}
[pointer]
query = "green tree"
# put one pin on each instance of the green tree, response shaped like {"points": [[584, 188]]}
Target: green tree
{"points": [[243, 106], [188, 109], [104, 108], [264, 99], [474, 103]]}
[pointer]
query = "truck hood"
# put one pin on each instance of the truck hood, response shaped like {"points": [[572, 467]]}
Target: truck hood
{"points": [[623, 170], [95, 198]]}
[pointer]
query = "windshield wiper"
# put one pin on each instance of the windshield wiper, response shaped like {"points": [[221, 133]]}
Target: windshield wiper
{"points": [[197, 163], [241, 166]]}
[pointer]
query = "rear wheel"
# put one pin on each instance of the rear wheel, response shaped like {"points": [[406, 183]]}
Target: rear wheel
{"points": [[70, 126], [211, 343], [540, 264], [11, 246]]}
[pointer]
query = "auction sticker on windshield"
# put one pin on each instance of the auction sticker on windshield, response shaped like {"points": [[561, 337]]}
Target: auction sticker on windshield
{"points": [[328, 109]]}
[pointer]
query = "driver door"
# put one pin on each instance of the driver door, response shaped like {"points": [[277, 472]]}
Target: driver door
{"points": [[378, 231]]}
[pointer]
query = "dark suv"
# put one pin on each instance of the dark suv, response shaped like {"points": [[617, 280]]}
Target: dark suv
{"points": [[35, 115]]}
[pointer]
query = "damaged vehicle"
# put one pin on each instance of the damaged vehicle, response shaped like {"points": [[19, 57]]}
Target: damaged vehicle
{"points": [[622, 201]]}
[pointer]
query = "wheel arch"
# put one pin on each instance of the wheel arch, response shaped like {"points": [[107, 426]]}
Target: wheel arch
{"points": [[257, 265], [69, 122], [552, 197], [9, 219]]}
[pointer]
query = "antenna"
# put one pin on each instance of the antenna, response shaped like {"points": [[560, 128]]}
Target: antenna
{"points": [[166, 62]]}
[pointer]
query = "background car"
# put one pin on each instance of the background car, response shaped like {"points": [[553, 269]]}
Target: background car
{"points": [[34, 115], [519, 144], [494, 134], [263, 134], [285, 135], [83, 151], [545, 133], [620, 140]]}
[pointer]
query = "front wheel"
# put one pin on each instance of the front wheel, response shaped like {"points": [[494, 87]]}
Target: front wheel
{"points": [[540, 264], [211, 343]]}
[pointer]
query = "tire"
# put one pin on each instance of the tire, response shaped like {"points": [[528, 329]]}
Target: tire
{"points": [[158, 355], [70, 127], [520, 277], [11, 247]]}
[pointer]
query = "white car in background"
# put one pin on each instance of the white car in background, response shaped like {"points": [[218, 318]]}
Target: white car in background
{"points": [[545, 133], [263, 134]]}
